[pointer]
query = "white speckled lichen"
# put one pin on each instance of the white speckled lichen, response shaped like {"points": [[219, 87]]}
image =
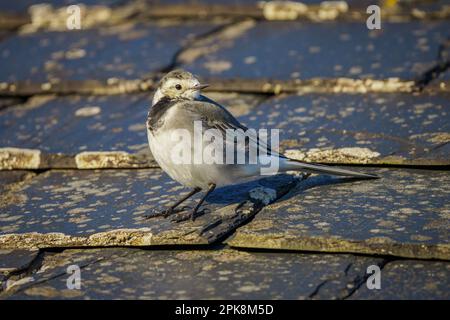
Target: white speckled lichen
{"points": [[108, 159], [341, 155], [265, 195]]}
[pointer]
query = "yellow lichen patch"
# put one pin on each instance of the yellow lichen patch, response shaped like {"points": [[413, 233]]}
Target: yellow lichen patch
{"points": [[17, 158], [104, 278], [108, 159], [283, 10], [44, 291], [370, 85], [292, 10], [9, 198], [237, 104], [10, 283], [330, 10], [192, 255], [228, 255], [33, 103], [136, 128], [75, 53], [260, 225], [249, 288], [432, 137]]}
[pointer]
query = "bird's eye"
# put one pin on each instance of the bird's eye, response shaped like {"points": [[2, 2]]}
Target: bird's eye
{"points": [[178, 87]]}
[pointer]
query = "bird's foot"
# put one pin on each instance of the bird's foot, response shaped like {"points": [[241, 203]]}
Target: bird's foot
{"points": [[165, 213], [190, 215], [156, 214]]}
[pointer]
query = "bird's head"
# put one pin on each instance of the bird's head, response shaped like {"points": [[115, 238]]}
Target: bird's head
{"points": [[178, 84]]}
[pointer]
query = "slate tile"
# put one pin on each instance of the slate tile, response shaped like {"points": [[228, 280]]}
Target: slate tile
{"points": [[218, 274], [411, 280], [369, 128], [9, 178], [73, 124], [336, 128], [327, 50], [13, 262], [106, 208], [16, 260], [404, 213], [424, 5], [316, 10], [52, 264], [22, 6], [127, 51], [77, 123], [6, 102]]}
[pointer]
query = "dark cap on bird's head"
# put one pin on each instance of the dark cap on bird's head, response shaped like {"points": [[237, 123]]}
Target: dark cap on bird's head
{"points": [[178, 84]]}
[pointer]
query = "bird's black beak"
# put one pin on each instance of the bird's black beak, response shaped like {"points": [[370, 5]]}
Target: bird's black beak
{"points": [[200, 86]]}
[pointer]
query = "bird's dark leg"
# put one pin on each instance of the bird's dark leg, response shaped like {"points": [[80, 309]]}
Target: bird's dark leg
{"points": [[211, 188], [171, 209]]}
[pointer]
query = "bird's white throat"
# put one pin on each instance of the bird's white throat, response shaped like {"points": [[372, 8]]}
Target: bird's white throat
{"points": [[188, 94], [157, 97]]}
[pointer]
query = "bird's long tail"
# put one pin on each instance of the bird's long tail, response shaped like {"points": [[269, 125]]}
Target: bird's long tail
{"points": [[294, 165]]}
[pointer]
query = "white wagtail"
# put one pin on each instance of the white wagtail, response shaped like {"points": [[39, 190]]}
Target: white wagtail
{"points": [[178, 104]]}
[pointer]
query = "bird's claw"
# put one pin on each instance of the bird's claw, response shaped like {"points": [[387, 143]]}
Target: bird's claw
{"points": [[165, 213], [156, 214]]}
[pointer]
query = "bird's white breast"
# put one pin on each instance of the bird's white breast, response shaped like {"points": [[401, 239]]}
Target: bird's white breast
{"points": [[164, 143]]}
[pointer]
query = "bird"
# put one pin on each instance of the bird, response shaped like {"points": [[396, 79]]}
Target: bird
{"points": [[177, 104]]}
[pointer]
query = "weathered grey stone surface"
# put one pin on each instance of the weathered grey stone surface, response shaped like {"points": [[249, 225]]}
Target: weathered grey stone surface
{"points": [[218, 274], [6, 102], [127, 51], [311, 51], [51, 264], [87, 131], [75, 124], [369, 128], [359, 104], [404, 213], [8, 179], [375, 128], [13, 262], [274, 10], [107, 208], [410, 279]]}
